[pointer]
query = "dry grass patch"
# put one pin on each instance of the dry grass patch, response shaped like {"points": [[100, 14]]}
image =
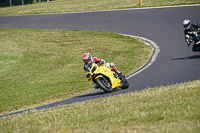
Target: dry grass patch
{"points": [[172, 108]]}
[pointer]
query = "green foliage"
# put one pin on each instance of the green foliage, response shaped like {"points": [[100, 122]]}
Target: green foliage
{"points": [[5, 3], [60, 6]]}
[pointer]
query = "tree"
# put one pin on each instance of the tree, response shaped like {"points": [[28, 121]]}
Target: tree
{"points": [[4, 3]]}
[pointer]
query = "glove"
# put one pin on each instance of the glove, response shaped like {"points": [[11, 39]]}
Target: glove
{"points": [[188, 43], [100, 63]]}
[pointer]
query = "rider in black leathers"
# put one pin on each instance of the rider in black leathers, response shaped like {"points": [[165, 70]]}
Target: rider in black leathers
{"points": [[192, 32]]}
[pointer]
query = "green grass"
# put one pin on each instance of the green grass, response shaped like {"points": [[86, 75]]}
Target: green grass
{"points": [[173, 109], [42, 66], [60, 6]]}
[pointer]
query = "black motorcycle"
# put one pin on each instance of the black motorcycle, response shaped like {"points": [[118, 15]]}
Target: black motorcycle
{"points": [[196, 46], [194, 36]]}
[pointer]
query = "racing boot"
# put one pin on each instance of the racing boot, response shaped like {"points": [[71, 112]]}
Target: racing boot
{"points": [[198, 43], [120, 74], [95, 85], [196, 47]]}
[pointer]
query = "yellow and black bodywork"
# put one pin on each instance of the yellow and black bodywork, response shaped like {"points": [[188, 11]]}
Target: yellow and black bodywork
{"points": [[105, 78]]}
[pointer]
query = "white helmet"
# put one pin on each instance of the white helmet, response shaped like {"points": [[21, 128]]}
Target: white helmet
{"points": [[186, 24]]}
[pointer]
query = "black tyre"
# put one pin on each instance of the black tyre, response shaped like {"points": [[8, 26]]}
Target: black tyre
{"points": [[104, 84], [125, 83], [194, 48]]}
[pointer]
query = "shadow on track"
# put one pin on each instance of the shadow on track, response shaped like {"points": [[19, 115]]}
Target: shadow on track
{"points": [[188, 58], [98, 92]]}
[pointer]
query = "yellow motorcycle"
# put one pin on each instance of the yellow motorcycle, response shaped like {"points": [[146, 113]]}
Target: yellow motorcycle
{"points": [[106, 79]]}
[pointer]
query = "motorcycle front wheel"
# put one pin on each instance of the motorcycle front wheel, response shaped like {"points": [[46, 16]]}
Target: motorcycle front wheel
{"points": [[104, 84]]}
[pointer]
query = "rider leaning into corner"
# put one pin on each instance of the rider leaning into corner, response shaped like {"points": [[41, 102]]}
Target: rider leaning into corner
{"points": [[87, 58], [192, 31]]}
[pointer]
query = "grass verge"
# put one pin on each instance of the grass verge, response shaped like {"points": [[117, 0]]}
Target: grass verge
{"points": [[61, 6], [171, 109], [42, 66]]}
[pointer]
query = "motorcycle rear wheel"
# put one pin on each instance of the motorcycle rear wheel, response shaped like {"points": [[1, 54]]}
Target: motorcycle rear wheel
{"points": [[104, 85], [195, 48]]}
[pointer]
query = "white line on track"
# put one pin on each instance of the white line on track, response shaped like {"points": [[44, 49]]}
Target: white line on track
{"points": [[153, 57], [142, 8]]}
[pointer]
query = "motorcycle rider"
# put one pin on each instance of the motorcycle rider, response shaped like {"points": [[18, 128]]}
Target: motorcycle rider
{"points": [[87, 58], [191, 32]]}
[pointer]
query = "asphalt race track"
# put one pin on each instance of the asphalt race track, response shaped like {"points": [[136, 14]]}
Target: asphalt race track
{"points": [[176, 63]]}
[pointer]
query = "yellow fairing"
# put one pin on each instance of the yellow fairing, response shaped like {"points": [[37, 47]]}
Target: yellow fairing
{"points": [[108, 73], [103, 71]]}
